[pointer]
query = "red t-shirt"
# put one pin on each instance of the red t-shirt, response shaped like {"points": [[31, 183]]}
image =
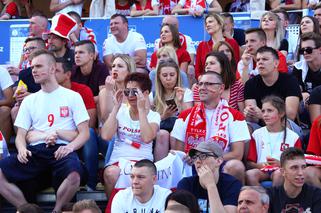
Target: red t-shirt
{"points": [[182, 56], [314, 146], [86, 94], [147, 6], [123, 9], [282, 63], [207, 46], [12, 9]]}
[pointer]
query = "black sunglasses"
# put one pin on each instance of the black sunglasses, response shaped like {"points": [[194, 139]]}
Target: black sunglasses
{"points": [[202, 156], [130, 92], [308, 50]]}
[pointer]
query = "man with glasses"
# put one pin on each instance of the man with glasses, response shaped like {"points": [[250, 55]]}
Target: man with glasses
{"points": [[213, 120], [213, 189], [31, 45], [307, 71]]}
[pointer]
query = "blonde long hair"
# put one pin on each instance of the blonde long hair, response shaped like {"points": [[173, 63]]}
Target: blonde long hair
{"points": [[160, 104], [279, 30]]}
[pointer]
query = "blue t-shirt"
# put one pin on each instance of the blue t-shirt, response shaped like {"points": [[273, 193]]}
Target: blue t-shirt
{"points": [[228, 188]]}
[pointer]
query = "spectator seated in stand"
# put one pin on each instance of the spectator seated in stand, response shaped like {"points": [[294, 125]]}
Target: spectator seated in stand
{"points": [[143, 195], [133, 125], [247, 67], [31, 45], [307, 24], [181, 201], [289, 35], [144, 8], [224, 47], [10, 10], [122, 65], [294, 194], [123, 41], [307, 70], [59, 35], [214, 24], [170, 99], [6, 101], [165, 53], [89, 70], [253, 199], [268, 82], [317, 14], [89, 152], [214, 120], [86, 206], [268, 143], [81, 33], [170, 37], [220, 195], [234, 89], [197, 8], [63, 6], [230, 32], [272, 26], [47, 137]]}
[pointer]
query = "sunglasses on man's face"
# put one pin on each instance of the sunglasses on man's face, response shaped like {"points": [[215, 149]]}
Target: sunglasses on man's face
{"points": [[307, 50], [130, 92]]}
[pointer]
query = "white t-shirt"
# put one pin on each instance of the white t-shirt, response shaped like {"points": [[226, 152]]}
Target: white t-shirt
{"points": [[133, 42], [270, 144], [251, 71], [129, 132], [193, 3], [5, 81], [124, 201], [74, 7], [60, 109]]}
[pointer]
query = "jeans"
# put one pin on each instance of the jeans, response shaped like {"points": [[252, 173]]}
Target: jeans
{"points": [[90, 151]]}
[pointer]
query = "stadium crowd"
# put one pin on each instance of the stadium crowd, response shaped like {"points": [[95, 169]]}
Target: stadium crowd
{"points": [[241, 112]]}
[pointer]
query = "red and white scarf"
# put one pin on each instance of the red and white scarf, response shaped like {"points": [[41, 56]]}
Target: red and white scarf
{"points": [[196, 127]]}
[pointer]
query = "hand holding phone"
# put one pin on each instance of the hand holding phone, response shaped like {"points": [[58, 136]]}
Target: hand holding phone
{"points": [[171, 102]]}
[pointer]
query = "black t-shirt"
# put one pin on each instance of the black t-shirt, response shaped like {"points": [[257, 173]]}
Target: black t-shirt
{"points": [[315, 96], [27, 78], [94, 79], [309, 200], [228, 188], [285, 86], [69, 56], [312, 80], [284, 45]]}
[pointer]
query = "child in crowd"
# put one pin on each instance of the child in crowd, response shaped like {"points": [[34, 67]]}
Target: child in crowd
{"points": [[268, 143]]}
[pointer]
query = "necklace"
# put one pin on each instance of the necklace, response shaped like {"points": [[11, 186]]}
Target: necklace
{"points": [[276, 141]]}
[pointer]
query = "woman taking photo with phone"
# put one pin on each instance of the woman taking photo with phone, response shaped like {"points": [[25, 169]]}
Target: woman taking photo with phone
{"points": [[170, 99]]}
